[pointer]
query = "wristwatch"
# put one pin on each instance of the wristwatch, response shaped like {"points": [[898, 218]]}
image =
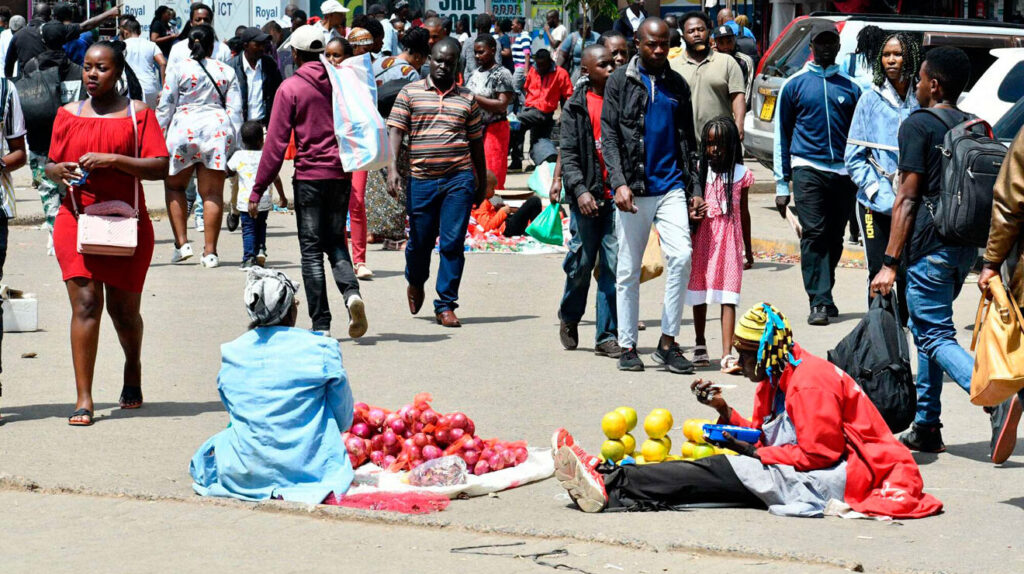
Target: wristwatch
{"points": [[890, 261]]}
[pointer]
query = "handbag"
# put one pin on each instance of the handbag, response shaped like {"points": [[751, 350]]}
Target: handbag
{"points": [[110, 227], [547, 227], [651, 266], [998, 342]]}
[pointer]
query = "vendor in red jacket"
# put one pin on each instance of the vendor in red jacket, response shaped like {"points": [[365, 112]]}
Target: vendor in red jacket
{"points": [[823, 444]]}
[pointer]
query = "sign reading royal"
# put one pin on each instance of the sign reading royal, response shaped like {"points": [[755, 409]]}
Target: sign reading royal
{"points": [[264, 11], [143, 12]]}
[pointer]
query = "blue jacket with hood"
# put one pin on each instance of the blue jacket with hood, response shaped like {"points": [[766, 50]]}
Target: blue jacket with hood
{"points": [[813, 115], [872, 147]]}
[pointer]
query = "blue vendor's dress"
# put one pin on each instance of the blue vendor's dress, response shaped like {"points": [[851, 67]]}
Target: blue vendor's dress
{"points": [[288, 397]]}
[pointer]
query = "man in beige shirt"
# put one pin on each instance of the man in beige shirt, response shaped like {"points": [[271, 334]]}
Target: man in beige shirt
{"points": [[716, 81]]}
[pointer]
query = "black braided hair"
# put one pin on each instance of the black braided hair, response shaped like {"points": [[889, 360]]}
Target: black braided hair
{"points": [[911, 59], [728, 138]]}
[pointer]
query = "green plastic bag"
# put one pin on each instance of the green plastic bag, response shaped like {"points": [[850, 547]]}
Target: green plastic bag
{"points": [[547, 227], [539, 181]]}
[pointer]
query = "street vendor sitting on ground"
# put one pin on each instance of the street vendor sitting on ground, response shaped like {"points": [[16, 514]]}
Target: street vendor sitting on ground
{"points": [[288, 399], [822, 439]]}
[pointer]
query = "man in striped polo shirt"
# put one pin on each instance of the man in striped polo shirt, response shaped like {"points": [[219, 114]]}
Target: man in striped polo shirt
{"points": [[448, 177]]}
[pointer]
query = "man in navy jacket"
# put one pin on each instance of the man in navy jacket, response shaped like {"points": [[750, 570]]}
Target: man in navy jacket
{"points": [[814, 111]]}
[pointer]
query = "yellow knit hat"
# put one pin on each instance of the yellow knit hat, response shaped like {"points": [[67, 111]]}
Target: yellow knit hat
{"points": [[766, 327]]}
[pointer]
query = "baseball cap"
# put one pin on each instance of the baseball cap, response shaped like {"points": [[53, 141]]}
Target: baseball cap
{"points": [[723, 31], [332, 7], [360, 37], [401, 4], [308, 39], [254, 35], [820, 34]]}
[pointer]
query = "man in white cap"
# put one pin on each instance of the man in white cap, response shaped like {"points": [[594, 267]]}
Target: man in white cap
{"points": [[322, 187], [333, 22]]}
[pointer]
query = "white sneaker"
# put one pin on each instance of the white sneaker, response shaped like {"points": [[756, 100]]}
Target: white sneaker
{"points": [[357, 324], [261, 259], [363, 272], [200, 226], [181, 253], [209, 261]]}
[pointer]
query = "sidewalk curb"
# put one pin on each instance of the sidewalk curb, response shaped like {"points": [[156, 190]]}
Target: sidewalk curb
{"points": [[792, 248]]}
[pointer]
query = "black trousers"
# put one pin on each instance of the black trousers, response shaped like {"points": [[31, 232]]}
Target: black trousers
{"points": [[875, 229], [321, 209], [541, 126], [516, 224], [824, 202], [670, 485]]}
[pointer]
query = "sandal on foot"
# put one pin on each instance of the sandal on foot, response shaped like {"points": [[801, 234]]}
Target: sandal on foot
{"points": [[131, 398], [701, 357], [79, 414], [730, 365]]}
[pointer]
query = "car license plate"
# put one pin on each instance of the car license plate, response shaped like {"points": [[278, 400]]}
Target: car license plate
{"points": [[767, 109]]}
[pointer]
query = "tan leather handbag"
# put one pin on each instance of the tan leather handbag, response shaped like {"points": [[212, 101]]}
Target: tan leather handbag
{"points": [[110, 227], [999, 344]]}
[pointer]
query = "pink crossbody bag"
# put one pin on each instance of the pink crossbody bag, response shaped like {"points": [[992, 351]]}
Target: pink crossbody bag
{"points": [[110, 227]]}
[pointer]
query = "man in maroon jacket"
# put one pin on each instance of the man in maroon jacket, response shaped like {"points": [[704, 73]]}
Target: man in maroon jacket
{"points": [[321, 186]]}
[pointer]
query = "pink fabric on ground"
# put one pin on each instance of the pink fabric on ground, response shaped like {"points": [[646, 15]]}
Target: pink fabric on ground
{"points": [[357, 216], [496, 150]]}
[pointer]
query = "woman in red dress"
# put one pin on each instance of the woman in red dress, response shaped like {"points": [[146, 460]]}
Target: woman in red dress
{"points": [[96, 138]]}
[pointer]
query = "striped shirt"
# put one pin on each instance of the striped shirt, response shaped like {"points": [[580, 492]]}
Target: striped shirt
{"points": [[520, 49], [440, 127]]}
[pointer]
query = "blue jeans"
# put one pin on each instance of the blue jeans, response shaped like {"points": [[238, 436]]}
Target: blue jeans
{"points": [[254, 234], [439, 207], [593, 243], [933, 283]]}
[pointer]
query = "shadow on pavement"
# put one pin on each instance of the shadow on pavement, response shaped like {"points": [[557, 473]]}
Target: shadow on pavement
{"points": [[483, 320], [1018, 502], [17, 414], [399, 338], [979, 451]]}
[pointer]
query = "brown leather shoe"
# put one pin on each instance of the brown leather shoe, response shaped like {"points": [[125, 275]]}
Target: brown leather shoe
{"points": [[415, 297], [447, 318]]}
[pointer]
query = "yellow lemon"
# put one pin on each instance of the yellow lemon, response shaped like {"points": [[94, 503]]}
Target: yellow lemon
{"points": [[613, 450], [629, 442], [703, 450], [687, 449], [613, 425], [658, 423], [630, 414], [665, 440], [653, 451]]}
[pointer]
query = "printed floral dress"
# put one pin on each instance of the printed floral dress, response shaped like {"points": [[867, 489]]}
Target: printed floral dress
{"points": [[717, 264], [200, 121]]}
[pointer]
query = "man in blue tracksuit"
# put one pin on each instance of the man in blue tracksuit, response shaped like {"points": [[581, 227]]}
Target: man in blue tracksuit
{"points": [[814, 112]]}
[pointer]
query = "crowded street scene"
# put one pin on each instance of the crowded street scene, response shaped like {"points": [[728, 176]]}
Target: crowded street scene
{"points": [[518, 285]]}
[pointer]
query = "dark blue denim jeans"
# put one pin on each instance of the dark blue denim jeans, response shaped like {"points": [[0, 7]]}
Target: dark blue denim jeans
{"points": [[933, 283], [439, 207], [254, 234], [4, 222], [592, 243]]}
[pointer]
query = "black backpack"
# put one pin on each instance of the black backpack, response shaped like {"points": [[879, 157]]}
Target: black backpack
{"points": [[971, 159], [877, 356]]}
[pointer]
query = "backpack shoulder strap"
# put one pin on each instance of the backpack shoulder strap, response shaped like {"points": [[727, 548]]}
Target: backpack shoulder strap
{"points": [[939, 113]]}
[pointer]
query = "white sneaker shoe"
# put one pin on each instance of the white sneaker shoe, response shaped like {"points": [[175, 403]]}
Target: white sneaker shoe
{"points": [[209, 261], [181, 253], [363, 272], [357, 324], [200, 226], [261, 259]]}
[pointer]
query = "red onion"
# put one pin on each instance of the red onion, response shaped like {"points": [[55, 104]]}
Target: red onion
{"points": [[478, 443], [496, 462], [486, 453], [481, 467], [375, 418], [391, 417], [417, 427], [361, 430], [444, 421], [521, 455], [455, 434], [389, 460], [361, 407], [397, 425], [377, 457], [356, 448], [458, 421], [420, 440], [509, 457], [428, 417], [408, 443], [377, 442], [411, 416], [470, 427], [442, 436], [430, 452], [471, 457], [389, 437]]}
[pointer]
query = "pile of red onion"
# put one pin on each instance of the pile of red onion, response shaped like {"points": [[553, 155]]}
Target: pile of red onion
{"points": [[404, 439]]}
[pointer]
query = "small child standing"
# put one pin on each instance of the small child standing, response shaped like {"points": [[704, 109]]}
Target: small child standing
{"points": [[719, 243], [245, 162], [506, 220]]}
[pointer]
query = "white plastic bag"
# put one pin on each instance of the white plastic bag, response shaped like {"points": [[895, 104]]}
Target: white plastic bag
{"points": [[361, 132]]}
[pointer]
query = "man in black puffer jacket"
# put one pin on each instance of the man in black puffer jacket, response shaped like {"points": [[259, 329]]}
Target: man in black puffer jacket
{"points": [[648, 141]]}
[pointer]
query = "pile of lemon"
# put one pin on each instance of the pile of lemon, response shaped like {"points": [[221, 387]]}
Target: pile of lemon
{"points": [[621, 445]]}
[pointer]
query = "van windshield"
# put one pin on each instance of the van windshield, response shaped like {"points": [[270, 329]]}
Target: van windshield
{"points": [[794, 49]]}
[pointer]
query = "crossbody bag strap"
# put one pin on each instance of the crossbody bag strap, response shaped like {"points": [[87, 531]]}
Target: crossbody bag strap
{"points": [[223, 101], [137, 152]]}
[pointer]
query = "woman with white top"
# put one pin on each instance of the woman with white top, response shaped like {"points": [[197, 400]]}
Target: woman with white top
{"points": [[200, 113], [145, 59]]}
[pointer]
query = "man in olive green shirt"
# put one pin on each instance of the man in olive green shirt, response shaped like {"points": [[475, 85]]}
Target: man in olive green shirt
{"points": [[716, 81]]}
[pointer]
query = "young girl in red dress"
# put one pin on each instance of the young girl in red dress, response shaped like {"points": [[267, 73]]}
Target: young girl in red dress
{"points": [[96, 138]]}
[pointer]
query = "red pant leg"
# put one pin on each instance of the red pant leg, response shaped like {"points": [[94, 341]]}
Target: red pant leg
{"points": [[357, 216]]}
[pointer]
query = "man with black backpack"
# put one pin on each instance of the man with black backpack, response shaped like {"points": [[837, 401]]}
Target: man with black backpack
{"points": [[937, 256]]}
